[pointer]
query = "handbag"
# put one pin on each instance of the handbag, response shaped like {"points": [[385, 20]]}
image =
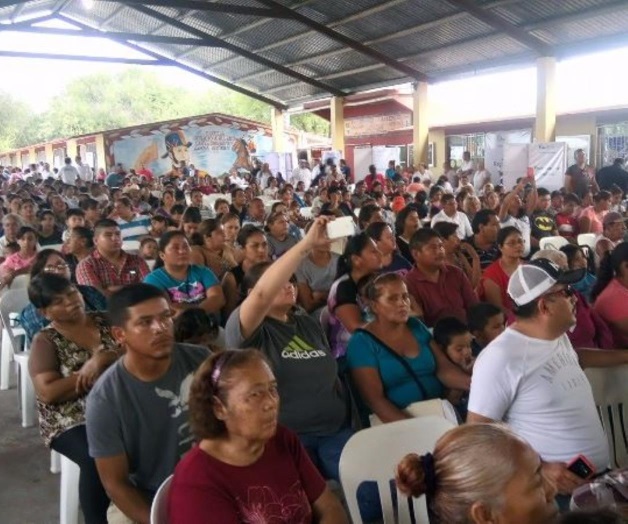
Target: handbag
{"points": [[435, 407]]}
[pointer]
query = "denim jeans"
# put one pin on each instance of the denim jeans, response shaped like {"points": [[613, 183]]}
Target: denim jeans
{"points": [[325, 451]]}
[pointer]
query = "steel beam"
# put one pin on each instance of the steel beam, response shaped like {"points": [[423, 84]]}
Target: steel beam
{"points": [[169, 61], [217, 42], [348, 42], [501, 24], [112, 35], [213, 7], [80, 58]]}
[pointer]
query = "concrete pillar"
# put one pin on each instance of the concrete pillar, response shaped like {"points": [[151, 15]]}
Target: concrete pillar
{"points": [[338, 125], [32, 155], [545, 126], [49, 153], [18, 160], [101, 153], [71, 148], [420, 127], [277, 120]]}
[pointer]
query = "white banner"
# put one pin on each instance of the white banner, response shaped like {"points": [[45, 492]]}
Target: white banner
{"points": [[573, 144], [494, 149], [549, 161], [515, 163], [362, 159], [384, 154]]}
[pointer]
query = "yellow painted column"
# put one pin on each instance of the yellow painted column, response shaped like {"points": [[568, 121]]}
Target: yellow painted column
{"points": [[545, 126], [338, 124], [71, 148], [420, 127], [101, 153], [49, 153], [32, 155], [18, 159], [277, 120]]}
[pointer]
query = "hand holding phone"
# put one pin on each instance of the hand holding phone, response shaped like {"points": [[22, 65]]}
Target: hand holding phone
{"points": [[340, 227], [581, 467]]}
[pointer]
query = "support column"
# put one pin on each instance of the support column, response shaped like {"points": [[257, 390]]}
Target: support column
{"points": [[49, 153], [338, 124], [71, 148], [101, 153], [545, 126], [18, 159], [420, 127], [32, 155], [277, 119]]}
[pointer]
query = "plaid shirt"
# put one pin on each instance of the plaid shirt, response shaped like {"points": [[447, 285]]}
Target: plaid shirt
{"points": [[98, 272]]}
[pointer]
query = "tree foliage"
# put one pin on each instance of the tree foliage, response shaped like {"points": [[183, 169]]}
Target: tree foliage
{"points": [[100, 102]]}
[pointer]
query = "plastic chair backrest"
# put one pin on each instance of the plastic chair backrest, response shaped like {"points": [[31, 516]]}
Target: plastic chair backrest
{"points": [[12, 301], [610, 392], [587, 239], [159, 508], [20, 282], [131, 246], [555, 242], [373, 454], [306, 212]]}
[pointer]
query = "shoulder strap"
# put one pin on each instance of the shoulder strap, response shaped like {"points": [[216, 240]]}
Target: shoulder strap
{"points": [[399, 358]]}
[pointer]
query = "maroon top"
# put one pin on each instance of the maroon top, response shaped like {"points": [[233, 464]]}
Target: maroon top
{"points": [[451, 296], [279, 488], [591, 330]]}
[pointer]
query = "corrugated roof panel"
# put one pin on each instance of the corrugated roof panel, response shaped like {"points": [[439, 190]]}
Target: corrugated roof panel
{"points": [[134, 21], [399, 18], [269, 80], [207, 56], [272, 32], [591, 27], [219, 23], [311, 45], [321, 12], [340, 62], [367, 78], [300, 92], [444, 34]]}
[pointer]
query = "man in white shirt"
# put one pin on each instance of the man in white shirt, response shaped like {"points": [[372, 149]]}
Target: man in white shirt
{"points": [[68, 174], [449, 213], [531, 378], [264, 174], [467, 164], [301, 173], [424, 174], [85, 172], [45, 172]]}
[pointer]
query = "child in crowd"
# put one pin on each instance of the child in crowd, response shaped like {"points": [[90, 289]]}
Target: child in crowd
{"points": [[617, 205], [49, 234], [74, 217], [158, 226], [566, 221], [454, 338], [195, 326], [486, 322], [148, 248]]}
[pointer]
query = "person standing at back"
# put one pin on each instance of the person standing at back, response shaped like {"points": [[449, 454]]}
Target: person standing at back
{"points": [[137, 423], [580, 177], [68, 174]]}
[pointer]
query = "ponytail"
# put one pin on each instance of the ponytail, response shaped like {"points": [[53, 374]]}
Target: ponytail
{"points": [[355, 246]]}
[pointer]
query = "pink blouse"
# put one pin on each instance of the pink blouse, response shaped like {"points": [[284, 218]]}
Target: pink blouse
{"points": [[15, 262]]}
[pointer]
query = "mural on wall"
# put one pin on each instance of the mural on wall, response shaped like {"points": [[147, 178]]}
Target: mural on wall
{"points": [[213, 144]]}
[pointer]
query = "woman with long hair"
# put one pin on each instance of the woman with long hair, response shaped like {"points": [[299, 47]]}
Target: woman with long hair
{"points": [[210, 250], [392, 261], [347, 311], [167, 203], [480, 474], [188, 285], [190, 222], [254, 248], [610, 293], [591, 217], [19, 263], [494, 284], [406, 224]]}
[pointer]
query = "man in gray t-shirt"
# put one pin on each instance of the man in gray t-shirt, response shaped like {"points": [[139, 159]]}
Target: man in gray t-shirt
{"points": [[136, 415]]}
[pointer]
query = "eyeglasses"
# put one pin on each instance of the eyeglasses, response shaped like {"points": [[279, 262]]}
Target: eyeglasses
{"points": [[58, 267]]}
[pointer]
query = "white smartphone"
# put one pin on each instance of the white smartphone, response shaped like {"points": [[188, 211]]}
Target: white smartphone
{"points": [[340, 228]]}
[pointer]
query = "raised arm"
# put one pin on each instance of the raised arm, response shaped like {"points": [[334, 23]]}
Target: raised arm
{"points": [[259, 301], [503, 210]]}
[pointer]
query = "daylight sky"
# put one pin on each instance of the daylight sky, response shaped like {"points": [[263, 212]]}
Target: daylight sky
{"points": [[482, 97]]}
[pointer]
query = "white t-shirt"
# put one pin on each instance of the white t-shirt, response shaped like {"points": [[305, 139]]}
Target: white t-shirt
{"points": [[68, 174], [523, 225], [302, 174], [464, 226], [85, 172], [539, 389]]}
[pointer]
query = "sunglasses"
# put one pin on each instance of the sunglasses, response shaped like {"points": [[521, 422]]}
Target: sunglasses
{"points": [[567, 292]]}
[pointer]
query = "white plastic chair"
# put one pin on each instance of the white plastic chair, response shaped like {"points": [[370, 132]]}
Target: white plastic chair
{"points": [[365, 459], [610, 392], [553, 242], [27, 390], [12, 301], [587, 239], [69, 508], [57, 247], [159, 508], [150, 264]]}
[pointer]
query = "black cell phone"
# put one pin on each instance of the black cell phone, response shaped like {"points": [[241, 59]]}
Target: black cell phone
{"points": [[581, 467]]}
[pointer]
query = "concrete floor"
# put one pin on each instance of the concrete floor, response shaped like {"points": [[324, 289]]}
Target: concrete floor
{"points": [[29, 493]]}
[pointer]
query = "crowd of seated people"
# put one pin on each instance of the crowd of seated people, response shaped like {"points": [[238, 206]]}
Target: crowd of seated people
{"points": [[138, 285]]}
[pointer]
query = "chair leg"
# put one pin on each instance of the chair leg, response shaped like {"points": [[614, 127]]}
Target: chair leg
{"points": [[27, 395], [6, 355], [55, 462], [69, 502]]}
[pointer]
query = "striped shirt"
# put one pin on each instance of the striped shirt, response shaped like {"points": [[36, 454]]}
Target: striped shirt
{"points": [[135, 228]]}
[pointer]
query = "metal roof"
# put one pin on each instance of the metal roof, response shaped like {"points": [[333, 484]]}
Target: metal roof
{"points": [[287, 52]]}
